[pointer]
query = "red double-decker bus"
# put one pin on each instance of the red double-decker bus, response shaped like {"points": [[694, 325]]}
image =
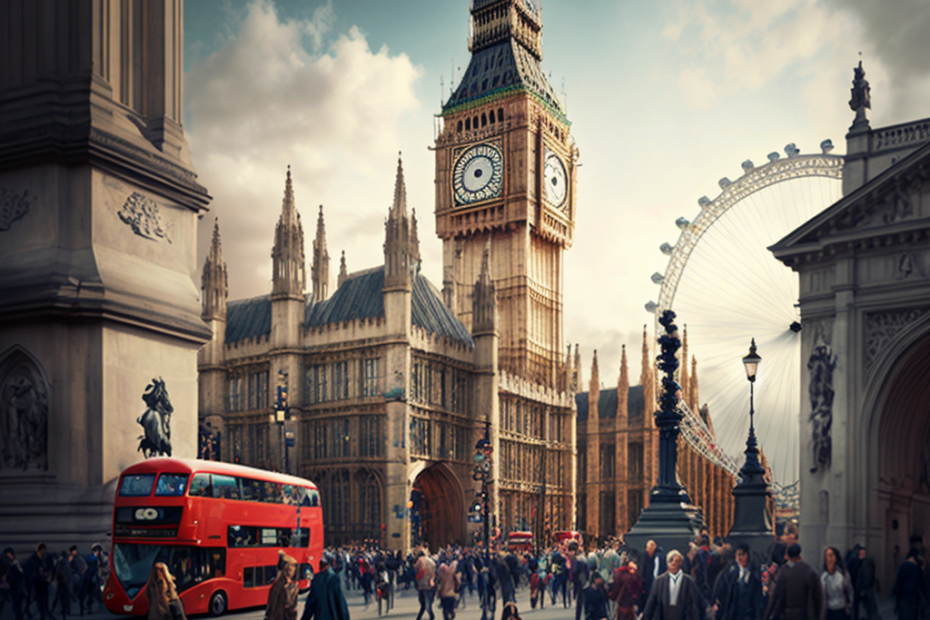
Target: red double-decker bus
{"points": [[218, 527]]}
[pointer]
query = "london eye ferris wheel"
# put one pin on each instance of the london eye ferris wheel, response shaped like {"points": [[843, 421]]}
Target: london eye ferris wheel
{"points": [[727, 288]]}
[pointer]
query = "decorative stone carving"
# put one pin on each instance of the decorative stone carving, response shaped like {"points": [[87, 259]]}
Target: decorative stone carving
{"points": [[141, 213], [23, 414], [861, 92], [156, 421], [882, 327], [12, 207], [821, 365]]}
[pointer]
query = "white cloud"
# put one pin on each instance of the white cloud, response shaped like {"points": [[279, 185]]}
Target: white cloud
{"points": [[282, 92]]}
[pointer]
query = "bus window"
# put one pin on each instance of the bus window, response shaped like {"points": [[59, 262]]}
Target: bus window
{"points": [[313, 497], [274, 493], [252, 490], [300, 541], [239, 536], [200, 486], [225, 487], [139, 485], [248, 577], [271, 573], [171, 485]]}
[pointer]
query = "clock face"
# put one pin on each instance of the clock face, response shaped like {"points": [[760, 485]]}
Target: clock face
{"points": [[555, 181], [478, 174]]}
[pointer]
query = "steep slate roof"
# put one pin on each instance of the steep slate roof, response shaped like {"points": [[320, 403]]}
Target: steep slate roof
{"points": [[506, 66], [248, 318], [607, 404], [360, 297]]}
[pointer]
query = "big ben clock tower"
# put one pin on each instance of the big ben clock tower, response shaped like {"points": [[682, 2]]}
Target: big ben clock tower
{"points": [[505, 172]]}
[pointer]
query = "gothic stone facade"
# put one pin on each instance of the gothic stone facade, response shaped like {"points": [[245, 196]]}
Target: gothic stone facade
{"points": [[864, 270]]}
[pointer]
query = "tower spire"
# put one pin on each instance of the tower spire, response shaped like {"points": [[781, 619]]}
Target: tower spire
{"points": [[647, 380], [320, 267], [683, 377], [623, 388], [484, 307], [343, 272], [401, 247], [289, 276], [215, 281], [693, 388], [399, 208]]}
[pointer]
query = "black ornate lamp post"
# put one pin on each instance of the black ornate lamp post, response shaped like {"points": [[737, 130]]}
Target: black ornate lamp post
{"points": [[482, 473], [281, 409], [752, 523], [670, 519]]}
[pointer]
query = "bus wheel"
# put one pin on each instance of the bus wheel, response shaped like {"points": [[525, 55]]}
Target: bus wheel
{"points": [[218, 603]]}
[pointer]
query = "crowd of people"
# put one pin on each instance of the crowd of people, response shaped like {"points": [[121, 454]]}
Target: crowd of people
{"points": [[705, 581], [48, 583]]}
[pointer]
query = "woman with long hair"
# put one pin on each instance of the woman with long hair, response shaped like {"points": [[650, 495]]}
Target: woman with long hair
{"points": [[282, 598], [837, 588], [164, 602]]}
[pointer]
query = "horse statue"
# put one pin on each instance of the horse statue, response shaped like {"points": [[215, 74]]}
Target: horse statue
{"points": [[156, 421]]}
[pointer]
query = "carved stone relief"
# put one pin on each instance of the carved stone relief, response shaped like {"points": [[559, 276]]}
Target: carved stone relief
{"points": [[156, 421], [882, 327], [23, 414], [12, 206], [821, 365], [141, 214]]}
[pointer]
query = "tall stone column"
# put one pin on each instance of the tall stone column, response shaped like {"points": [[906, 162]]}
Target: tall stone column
{"points": [[97, 251]]}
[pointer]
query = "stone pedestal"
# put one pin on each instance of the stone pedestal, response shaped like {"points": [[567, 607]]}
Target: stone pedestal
{"points": [[97, 249]]}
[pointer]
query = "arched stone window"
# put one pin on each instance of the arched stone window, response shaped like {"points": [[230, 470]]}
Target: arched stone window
{"points": [[24, 402], [500, 115], [369, 500], [484, 119]]}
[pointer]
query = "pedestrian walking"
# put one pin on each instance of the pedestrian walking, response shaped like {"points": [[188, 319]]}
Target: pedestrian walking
{"points": [[674, 595], [282, 597], [447, 582], [38, 578], [743, 598], [651, 565], [595, 599], [325, 601], [798, 592], [162, 593], [864, 585], [626, 589], [426, 585], [63, 592], [837, 586], [12, 583], [908, 588]]}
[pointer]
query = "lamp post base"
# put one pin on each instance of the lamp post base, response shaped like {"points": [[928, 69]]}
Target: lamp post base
{"points": [[672, 526]]}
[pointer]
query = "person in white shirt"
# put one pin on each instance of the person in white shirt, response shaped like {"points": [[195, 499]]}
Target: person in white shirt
{"points": [[674, 594], [837, 588]]}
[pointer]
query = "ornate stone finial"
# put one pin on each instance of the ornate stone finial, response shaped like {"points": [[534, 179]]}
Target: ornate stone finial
{"points": [[861, 92], [343, 271], [399, 208]]}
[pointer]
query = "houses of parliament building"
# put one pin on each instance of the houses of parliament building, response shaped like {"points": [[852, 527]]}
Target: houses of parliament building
{"points": [[391, 382]]}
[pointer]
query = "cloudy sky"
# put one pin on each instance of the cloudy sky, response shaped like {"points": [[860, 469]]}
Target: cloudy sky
{"points": [[666, 97]]}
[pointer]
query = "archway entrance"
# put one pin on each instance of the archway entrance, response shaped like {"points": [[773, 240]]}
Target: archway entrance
{"points": [[904, 459], [437, 514]]}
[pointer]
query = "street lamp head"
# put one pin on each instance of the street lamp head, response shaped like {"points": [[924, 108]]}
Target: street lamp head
{"points": [[279, 416], [751, 362]]}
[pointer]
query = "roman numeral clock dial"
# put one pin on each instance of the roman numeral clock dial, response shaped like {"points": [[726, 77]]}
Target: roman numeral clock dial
{"points": [[556, 181], [478, 174]]}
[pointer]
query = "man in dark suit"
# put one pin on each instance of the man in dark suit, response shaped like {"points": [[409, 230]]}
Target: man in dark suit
{"points": [[674, 594], [651, 566], [798, 593], [743, 599]]}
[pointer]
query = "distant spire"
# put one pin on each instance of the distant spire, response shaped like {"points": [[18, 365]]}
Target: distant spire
{"points": [[399, 207], [214, 282], [623, 388], [320, 268], [343, 273], [576, 377], [594, 389], [693, 388], [647, 380], [289, 271], [484, 296]]}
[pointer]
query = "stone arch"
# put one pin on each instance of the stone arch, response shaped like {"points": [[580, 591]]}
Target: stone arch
{"points": [[896, 446], [438, 513], [24, 411]]}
